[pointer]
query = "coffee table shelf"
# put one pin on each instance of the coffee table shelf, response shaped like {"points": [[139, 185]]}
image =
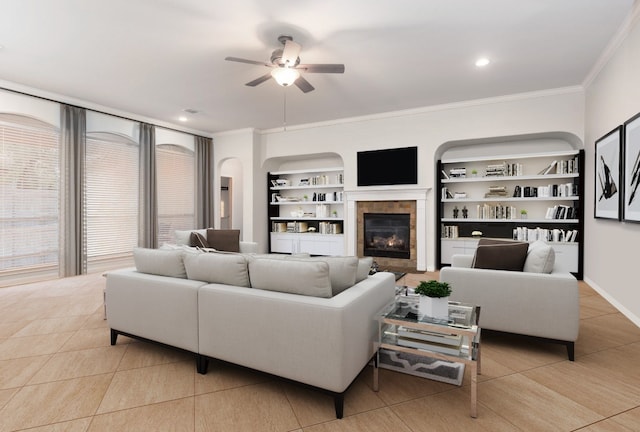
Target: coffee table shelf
{"points": [[396, 321]]}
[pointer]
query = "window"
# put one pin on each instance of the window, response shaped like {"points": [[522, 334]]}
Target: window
{"points": [[111, 197], [175, 168], [29, 191]]}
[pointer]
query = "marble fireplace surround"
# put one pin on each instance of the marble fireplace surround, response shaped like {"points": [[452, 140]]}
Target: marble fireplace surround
{"points": [[419, 196]]}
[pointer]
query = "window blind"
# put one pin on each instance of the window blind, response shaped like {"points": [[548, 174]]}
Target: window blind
{"points": [[175, 168], [29, 191], [111, 197]]}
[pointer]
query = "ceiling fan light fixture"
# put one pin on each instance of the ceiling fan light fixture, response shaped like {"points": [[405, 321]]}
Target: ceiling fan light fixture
{"points": [[285, 76], [482, 62]]}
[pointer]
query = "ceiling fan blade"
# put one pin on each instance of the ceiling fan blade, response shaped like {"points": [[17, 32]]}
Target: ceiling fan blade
{"points": [[291, 52], [322, 68], [303, 85], [253, 62], [260, 80]]}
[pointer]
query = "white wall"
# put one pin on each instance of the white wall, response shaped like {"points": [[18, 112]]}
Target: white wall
{"points": [[559, 110], [240, 147], [611, 253]]}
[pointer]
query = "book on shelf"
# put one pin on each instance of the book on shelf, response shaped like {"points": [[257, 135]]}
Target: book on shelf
{"points": [[549, 168], [444, 175], [428, 336], [457, 172], [430, 346]]}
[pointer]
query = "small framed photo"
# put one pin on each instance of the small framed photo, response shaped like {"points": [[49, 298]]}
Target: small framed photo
{"points": [[607, 175], [631, 170]]}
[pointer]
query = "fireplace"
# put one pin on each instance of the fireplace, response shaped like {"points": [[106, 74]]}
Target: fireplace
{"points": [[387, 235]]}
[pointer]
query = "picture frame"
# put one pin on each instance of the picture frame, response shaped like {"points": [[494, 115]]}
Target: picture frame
{"points": [[631, 170], [607, 178]]}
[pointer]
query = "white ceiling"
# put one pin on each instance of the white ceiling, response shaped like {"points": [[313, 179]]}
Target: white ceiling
{"points": [[155, 58]]}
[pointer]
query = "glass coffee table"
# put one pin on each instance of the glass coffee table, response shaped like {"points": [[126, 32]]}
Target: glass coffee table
{"points": [[402, 328]]}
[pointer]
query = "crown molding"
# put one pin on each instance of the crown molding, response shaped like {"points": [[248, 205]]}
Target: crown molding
{"points": [[429, 109], [614, 44]]}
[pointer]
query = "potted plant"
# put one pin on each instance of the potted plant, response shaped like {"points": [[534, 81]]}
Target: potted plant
{"points": [[474, 173], [305, 197], [434, 298], [523, 214]]}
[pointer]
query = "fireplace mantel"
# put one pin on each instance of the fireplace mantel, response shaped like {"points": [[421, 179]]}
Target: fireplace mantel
{"points": [[419, 195]]}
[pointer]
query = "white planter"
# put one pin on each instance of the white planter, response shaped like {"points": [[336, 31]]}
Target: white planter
{"points": [[434, 307]]}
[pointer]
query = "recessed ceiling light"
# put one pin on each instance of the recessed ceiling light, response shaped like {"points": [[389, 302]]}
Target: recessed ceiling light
{"points": [[482, 62], [182, 118]]}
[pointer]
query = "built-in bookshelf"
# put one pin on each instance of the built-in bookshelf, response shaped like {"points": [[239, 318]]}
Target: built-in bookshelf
{"points": [[306, 211], [525, 197]]}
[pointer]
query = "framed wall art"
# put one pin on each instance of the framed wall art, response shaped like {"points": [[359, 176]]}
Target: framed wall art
{"points": [[631, 170], [607, 175]]}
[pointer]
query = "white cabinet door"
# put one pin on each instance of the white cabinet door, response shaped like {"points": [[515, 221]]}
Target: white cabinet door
{"points": [[317, 244], [450, 247], [283, 242]]}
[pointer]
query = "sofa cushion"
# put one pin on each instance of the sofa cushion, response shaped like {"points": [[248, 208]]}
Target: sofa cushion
{"points": [[183, 237], [342, 271], [198, 240], [540, 258], [304, 277], [213, 267], [364, 267], [508, 256], [224, 240], [161, 262]]}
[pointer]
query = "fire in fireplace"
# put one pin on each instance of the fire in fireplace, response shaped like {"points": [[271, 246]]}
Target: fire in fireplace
{"points": [[387, 235]]}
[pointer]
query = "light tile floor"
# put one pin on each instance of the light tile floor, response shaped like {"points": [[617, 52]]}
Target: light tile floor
{"points": [[59, 373]]}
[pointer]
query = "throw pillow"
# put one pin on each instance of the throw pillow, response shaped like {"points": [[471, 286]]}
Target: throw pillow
{"points": [[303, 277], [228, 269], [342, 272], [364, 267], [198, 240], [161, 262], [183, 237], [510, 256], [540, 258], [224, 240]]}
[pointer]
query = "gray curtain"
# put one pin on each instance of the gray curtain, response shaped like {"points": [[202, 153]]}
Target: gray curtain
{"points": [[148, 226], [204, 182], [72, 161]]}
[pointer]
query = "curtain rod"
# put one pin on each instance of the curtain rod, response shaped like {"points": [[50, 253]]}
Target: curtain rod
{"points": [[96, 111]]}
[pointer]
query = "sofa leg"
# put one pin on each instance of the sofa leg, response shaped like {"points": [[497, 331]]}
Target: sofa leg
{"points": [[114, 336], [338, 401], [571, 350], [202, 364]]}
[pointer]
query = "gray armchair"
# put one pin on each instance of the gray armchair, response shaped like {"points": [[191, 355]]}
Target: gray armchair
{"points": [[542, 305]]}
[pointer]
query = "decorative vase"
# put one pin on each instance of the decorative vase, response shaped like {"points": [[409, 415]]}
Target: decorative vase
{"points": [[434, 307]]}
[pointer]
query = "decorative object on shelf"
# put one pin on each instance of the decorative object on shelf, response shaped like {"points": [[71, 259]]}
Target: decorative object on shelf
{"points": [[631, 172], [434, 298], [476, 234], [334, 214], [455, 212], [474, 173], [305, 197], [523, 214], [465, 212], [607, 178]]}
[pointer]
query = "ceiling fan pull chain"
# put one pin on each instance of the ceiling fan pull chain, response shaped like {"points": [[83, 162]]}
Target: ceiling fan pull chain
{"points": [[284, 110]]}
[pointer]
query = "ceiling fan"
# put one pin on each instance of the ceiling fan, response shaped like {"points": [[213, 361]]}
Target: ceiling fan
{"points": [[285, 66]]}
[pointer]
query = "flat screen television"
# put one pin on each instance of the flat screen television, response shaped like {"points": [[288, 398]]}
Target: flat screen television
{"points": [[396, 166]]}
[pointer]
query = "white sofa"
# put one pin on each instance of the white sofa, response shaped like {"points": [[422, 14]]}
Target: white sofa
{"points": [[319, 333], [533, 303]]}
